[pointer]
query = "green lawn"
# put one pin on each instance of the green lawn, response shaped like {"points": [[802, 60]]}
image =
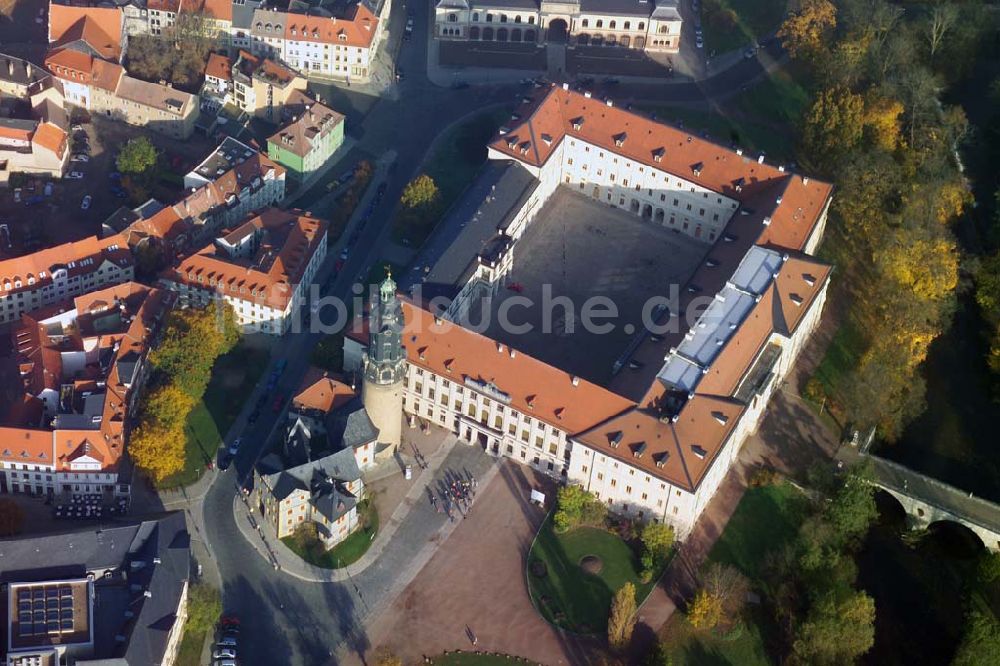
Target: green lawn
{"points": [[453, 165], [344, 553], [766, 519], [233, 379], [732, 24], [761, 119], [570, 597], [189, 653]]}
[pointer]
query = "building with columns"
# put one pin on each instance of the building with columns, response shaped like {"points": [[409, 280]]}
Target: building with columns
{"points": [[644, 25], [656, 439]]}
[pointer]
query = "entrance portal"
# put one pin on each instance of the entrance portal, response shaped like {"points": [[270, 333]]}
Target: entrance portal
{"points": [[558, 31]]}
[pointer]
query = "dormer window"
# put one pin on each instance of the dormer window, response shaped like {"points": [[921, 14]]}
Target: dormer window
{"points": [[696, 169], [616, 439], [577, 122], [639, 449], [658, 154], [620, 139], [698, 451]]}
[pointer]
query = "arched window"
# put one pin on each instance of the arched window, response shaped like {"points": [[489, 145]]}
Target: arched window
{"points": [[600, 23], [489, 18], [503, 18], [612, 25], [642, 26], [475, 17], [452, 18], [517, 19], [531, 20], [627, 26], [586, 22]]}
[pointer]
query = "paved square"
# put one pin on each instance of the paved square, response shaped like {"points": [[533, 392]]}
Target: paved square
{"points": [[477, 580], [580, 248]]}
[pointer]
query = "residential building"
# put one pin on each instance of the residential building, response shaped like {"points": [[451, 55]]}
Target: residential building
{"points": [[329, 443], [227, 186], [642, 25], [656, 440], [311, 135], [81, 367], [32, 146], [341, 44], [94, 28], [114, 594], [257, 86], [62, 272], [262, 267], [19, 78]]}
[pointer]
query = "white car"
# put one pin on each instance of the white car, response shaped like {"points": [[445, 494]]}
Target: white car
{"points": [[225, 654], [85, 204], [80, 157], [343, 254], [235, 446], [227, 642], [75, 175], [699, 42], [77, 128]]}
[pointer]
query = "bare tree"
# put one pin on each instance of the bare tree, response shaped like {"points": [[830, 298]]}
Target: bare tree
{"points": [[942, 19], [729, 586]]}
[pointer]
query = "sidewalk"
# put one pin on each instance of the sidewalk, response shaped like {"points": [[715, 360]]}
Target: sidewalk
{"points": [[281, 557]]}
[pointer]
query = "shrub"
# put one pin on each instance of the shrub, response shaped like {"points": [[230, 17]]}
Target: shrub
{"points": [[763, 476]]}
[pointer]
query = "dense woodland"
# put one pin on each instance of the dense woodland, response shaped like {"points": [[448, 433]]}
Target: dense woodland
{"points": [[880, 128]]}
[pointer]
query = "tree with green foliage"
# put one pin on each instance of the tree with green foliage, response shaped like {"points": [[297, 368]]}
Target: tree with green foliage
{"points": [[204, 607], [836, 631], [621, 620], [980, 644], [657, 540], [137, 157], [328, 354], [853, 509], [421, 192], [575, 507]]}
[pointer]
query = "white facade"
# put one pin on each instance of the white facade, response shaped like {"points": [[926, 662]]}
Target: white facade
{"points": [[15, 300]]}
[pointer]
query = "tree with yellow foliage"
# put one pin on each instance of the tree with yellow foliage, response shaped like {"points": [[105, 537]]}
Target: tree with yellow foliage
{"points": [[167, 406], [805, 32], [881, 121], [705, 611], [159, 452], [833, 124], [926, 267], [621, 622]]}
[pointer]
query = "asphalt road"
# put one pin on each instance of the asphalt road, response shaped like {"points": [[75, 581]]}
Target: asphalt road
{"points": [[286, 620]]}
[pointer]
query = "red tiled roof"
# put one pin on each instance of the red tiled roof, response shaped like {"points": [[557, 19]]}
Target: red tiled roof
{"points": [[357, 29], [322, 391], [101, 27], [219, 66], [51, 138]]}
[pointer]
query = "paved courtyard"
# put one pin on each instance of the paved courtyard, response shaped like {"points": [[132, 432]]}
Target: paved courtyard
{"points": [[476, 581], [579, 248]]}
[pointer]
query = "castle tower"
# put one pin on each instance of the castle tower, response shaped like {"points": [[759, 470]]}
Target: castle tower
{"points": [[384, 367]]}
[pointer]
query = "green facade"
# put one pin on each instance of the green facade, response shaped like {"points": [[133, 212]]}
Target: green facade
{"points": [[301, 168]]}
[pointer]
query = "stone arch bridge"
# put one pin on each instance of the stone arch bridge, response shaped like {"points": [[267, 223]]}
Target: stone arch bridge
{"points": [[927, 500]]}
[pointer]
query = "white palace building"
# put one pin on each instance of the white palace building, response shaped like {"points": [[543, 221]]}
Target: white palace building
{"points": [[656, 440]]}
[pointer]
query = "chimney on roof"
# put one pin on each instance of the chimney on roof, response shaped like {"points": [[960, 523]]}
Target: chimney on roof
{"points": [[609, 102], [767, 221], [575, 380], [739, 151], [10, 67], [513, 353], [805, 180], [565, 86], [760, 159], [499, 347]]}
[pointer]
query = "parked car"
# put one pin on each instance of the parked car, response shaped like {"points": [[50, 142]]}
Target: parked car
{"points": [[80, 157], [226, 641], [115, 175], [344, 253], [17, 195], [77, 128], [225, 653], [34, 200], [47, 190], [699, 42], [75, 175], [85, 204], [234, 448]]}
